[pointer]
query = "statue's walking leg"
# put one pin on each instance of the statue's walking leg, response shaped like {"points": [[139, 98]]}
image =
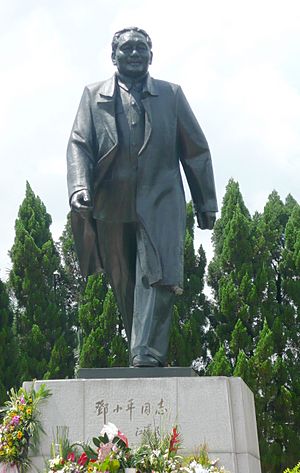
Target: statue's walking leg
{"points": [[153, 307], [117, 242], [146, 310]]}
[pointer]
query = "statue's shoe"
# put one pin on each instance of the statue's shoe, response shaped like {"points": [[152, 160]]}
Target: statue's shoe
{"points": [[142, 361]]}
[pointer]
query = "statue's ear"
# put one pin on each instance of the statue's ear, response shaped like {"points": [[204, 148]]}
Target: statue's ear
{"points": [[113, 58], [151, 57]]}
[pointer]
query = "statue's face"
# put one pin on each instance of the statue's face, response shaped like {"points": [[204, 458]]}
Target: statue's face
{"points": [[132, 56]]}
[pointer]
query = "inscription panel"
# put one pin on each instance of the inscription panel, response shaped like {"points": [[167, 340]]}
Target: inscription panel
{"points": [[132, 405]]}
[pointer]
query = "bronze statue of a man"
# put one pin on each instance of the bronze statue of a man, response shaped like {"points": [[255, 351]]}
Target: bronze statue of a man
{"points": [[126, 193]]}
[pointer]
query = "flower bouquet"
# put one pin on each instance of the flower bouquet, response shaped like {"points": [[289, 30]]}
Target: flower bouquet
{"points": [[201, 463], [20, 428], [158, 453], [108, 452]]}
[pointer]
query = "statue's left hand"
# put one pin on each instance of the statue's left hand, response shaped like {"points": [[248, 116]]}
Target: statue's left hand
{"points": [[206, 220]]}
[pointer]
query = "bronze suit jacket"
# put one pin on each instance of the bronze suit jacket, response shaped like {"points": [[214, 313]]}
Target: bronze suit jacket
{"points": [[172, 135]]}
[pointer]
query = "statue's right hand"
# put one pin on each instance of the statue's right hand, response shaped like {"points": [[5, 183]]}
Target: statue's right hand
{"points": [[81, 202]]}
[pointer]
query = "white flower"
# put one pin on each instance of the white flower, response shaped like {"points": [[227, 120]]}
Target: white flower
{"points": [[197, 468], [110, 430], [156, 453], [55, 461]]}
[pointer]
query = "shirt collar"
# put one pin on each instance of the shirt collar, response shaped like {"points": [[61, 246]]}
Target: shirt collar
{"points": [[128, 84], [107, 88], [144, 85]]}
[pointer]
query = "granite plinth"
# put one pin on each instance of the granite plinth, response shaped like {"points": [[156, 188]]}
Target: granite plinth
{"points": [[218, 411], [114, 373]]}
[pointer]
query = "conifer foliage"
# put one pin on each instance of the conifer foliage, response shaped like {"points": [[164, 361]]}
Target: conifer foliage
{"points": [[250, 327], [189, 336], [44, 335], [103, 343], [7, 345], [72, 281], [255, 279]]}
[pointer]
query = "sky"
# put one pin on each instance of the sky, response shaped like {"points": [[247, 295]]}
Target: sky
{"points": [[236, 60]]}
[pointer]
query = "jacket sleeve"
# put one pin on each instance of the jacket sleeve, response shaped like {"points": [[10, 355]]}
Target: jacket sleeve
{"points": [[81, 148], [195, 157]]}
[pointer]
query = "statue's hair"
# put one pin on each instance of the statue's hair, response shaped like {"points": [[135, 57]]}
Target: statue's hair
{"points": [[116, 37]]}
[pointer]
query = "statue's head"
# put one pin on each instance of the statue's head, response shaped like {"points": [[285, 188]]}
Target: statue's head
{"points": [[132, 52]]}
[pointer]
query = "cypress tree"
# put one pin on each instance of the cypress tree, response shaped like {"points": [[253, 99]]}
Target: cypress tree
{"points": [[220, 365], [8, 346], [264, 383], [189, 336], [103, 343], [288, 399], [242, 369], [281, 227], [233, 276], [71, 278], [255, 281], [41, 319]]}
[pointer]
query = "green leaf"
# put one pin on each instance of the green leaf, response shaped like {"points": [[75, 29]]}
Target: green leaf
{"points": [[96, 441]]}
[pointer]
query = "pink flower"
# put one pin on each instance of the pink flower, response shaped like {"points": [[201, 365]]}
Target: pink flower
{"points": [[22, 400], [123, 437], [82, 459], [71, 457], [104, 450], [15, 420]]}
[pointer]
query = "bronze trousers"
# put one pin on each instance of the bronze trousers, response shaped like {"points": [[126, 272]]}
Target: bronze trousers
{"points": [[146, 311]]}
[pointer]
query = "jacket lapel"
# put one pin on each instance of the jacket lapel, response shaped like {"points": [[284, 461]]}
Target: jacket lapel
{"points": [[148, 122], [106, 96], [151, 91]]}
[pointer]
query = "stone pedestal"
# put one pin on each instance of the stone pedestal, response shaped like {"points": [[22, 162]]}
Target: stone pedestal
{"points": [[218, 411]]}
